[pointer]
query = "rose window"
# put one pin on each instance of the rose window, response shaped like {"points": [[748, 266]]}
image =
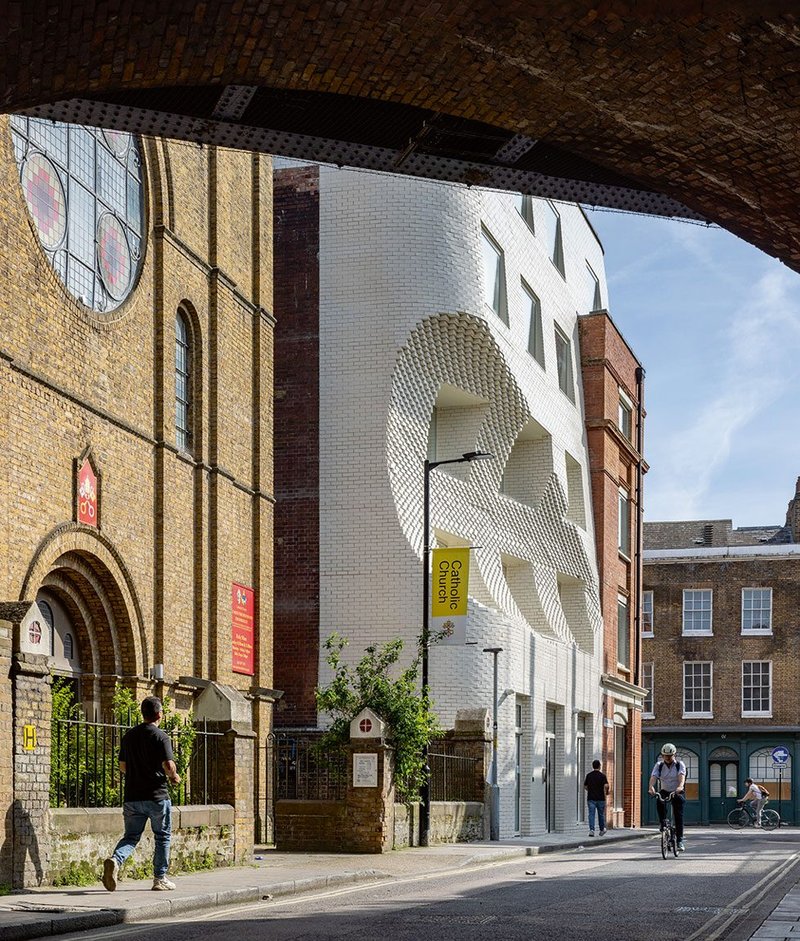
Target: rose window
{"points": [[83, 187]]}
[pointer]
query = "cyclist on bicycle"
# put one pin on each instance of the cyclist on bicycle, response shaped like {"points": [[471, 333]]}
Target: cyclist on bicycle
{"points": [[669, 774], [755, 795]]}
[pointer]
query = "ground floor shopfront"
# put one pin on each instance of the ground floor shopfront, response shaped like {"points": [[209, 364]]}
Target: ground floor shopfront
{"points": [[717, 762]]}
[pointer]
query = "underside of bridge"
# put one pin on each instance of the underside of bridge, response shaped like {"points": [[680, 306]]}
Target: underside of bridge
{"points": [[684, 109]]}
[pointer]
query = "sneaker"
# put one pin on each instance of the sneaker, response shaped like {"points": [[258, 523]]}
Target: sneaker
{"points": [[603, 832], [163, 885], [591, 833], [110, 873], [681, 846]]}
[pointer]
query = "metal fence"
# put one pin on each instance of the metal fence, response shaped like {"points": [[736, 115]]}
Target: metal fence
{"points": [[84, 765], [454, 777], [300, 771]]}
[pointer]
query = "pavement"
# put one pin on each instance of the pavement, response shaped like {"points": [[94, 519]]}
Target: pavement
{"points": [[42, 912]]}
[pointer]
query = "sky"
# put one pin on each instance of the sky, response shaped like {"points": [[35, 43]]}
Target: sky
{"points": [[716, 324]]}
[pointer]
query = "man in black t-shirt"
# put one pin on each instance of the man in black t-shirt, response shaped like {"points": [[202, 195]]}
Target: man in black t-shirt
{"points": [[147, 762], [597, 788]]}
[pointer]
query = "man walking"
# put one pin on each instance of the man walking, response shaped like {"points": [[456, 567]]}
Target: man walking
{"points": [[147, 762], [597, 789]]}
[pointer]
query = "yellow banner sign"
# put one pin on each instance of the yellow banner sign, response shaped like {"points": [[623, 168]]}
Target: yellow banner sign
{"points": [[450, 582]]}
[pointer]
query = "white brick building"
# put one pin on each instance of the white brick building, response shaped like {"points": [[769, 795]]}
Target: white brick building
{"points": [[446, 325]]}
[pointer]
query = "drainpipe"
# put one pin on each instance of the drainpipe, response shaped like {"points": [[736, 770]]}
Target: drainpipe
{"points": [[637, 551]]}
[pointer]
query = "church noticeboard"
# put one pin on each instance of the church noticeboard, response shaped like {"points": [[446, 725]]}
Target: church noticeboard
{"points": [[365, 769], [243, 609]]}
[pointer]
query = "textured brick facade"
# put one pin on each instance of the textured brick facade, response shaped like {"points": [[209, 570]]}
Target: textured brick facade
{"points": [[153, 583], [413, 361], [613, 379]]}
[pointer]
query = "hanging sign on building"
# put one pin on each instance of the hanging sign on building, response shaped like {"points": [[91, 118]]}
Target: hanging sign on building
{"points": [[449, 586], [243, 609], [86, 494]]}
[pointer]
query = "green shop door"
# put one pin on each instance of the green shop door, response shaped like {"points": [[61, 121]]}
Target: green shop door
{"points": [[723, 781]]}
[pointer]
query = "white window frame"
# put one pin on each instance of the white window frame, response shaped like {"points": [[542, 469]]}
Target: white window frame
{"points": [[757, 713], [694, 633], [499, 294], [624, 523], [525, 209], [649, 685], [757, 632], [569, 379], [597, 298], [626, 406], [623, 603], [647, 596], [700, 714], [535, 338]]}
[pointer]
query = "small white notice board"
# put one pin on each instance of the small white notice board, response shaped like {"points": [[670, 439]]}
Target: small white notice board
{"points": [[365, 770]]}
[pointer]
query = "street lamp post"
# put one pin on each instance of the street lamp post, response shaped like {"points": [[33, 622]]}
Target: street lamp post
{"points": [[494, 787], [469, 456]]}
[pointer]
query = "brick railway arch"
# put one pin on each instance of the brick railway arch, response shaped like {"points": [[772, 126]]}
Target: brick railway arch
{"points": [[86, 574], [689, 111]]}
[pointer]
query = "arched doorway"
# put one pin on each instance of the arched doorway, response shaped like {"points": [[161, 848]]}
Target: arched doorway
{"points": [[87, 596], [723, 783]]}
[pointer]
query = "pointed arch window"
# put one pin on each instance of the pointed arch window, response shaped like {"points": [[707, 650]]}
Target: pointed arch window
{"points": [[183, 383]]}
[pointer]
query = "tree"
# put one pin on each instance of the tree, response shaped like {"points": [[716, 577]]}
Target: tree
{"points": [[407, 713]]}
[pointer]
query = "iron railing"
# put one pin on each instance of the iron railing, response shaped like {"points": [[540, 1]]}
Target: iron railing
{"points": [[454, 778], [301, 771], [84, 768]]}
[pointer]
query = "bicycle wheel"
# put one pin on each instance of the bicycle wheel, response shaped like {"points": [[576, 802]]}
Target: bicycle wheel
{"points": [[664, 843], [674, 843], [770, 820], [738, 818]]}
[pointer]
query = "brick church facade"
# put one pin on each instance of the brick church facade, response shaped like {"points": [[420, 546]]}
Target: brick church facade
{"points": [[136, 427]]}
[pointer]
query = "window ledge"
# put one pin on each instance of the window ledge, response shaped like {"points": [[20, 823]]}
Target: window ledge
{"points": [[757, 633], [648, 715], [697, 715], [697, 633], [623, 555], [757, 715], [648, 634]]}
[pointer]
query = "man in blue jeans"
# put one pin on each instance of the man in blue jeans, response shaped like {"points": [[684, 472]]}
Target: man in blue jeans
{"points": [[147, 762], [597, 788]]}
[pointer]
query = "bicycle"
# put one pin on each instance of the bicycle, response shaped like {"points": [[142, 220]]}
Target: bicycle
{"points": [[745, 816], [669, 838]]}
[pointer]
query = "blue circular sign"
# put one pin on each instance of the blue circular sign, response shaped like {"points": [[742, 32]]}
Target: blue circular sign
{"points": [[780, 755]]}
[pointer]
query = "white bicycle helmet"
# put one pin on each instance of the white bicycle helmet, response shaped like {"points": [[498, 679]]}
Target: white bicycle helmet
{"points": [[668, 749]]}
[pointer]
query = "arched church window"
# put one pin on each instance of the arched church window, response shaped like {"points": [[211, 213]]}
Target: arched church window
{"points": [[183, 383], [83, 187]]}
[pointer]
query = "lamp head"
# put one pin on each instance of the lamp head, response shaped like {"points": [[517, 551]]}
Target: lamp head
{"points": [[477, 455]]}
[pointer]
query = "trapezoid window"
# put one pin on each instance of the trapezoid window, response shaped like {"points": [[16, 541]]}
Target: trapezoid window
{"points": [[83, 187]]}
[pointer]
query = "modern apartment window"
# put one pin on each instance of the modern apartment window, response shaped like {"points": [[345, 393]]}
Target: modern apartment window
{"points": [[697, 610], [624, 535], [623, 632], [494, 276], [525, 209], [697, 678], [552, 233], [625, 420], [593, 297], [564, 365], [183, 384], [756, 610], [647, 614], [533, 309], [757, 688], [647, 681]]}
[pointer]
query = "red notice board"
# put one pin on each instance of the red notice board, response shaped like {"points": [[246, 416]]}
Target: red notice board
{"points": [[243, 610]]}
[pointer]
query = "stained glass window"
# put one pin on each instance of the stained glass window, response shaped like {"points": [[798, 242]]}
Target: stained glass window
{"points": [[83, 187]]}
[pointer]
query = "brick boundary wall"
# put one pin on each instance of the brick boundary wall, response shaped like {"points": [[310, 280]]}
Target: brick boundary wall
{"points": [[81, 838]]}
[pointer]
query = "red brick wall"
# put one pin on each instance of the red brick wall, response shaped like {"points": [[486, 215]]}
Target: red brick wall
{"points": [[608, 365], [296, 274]]}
